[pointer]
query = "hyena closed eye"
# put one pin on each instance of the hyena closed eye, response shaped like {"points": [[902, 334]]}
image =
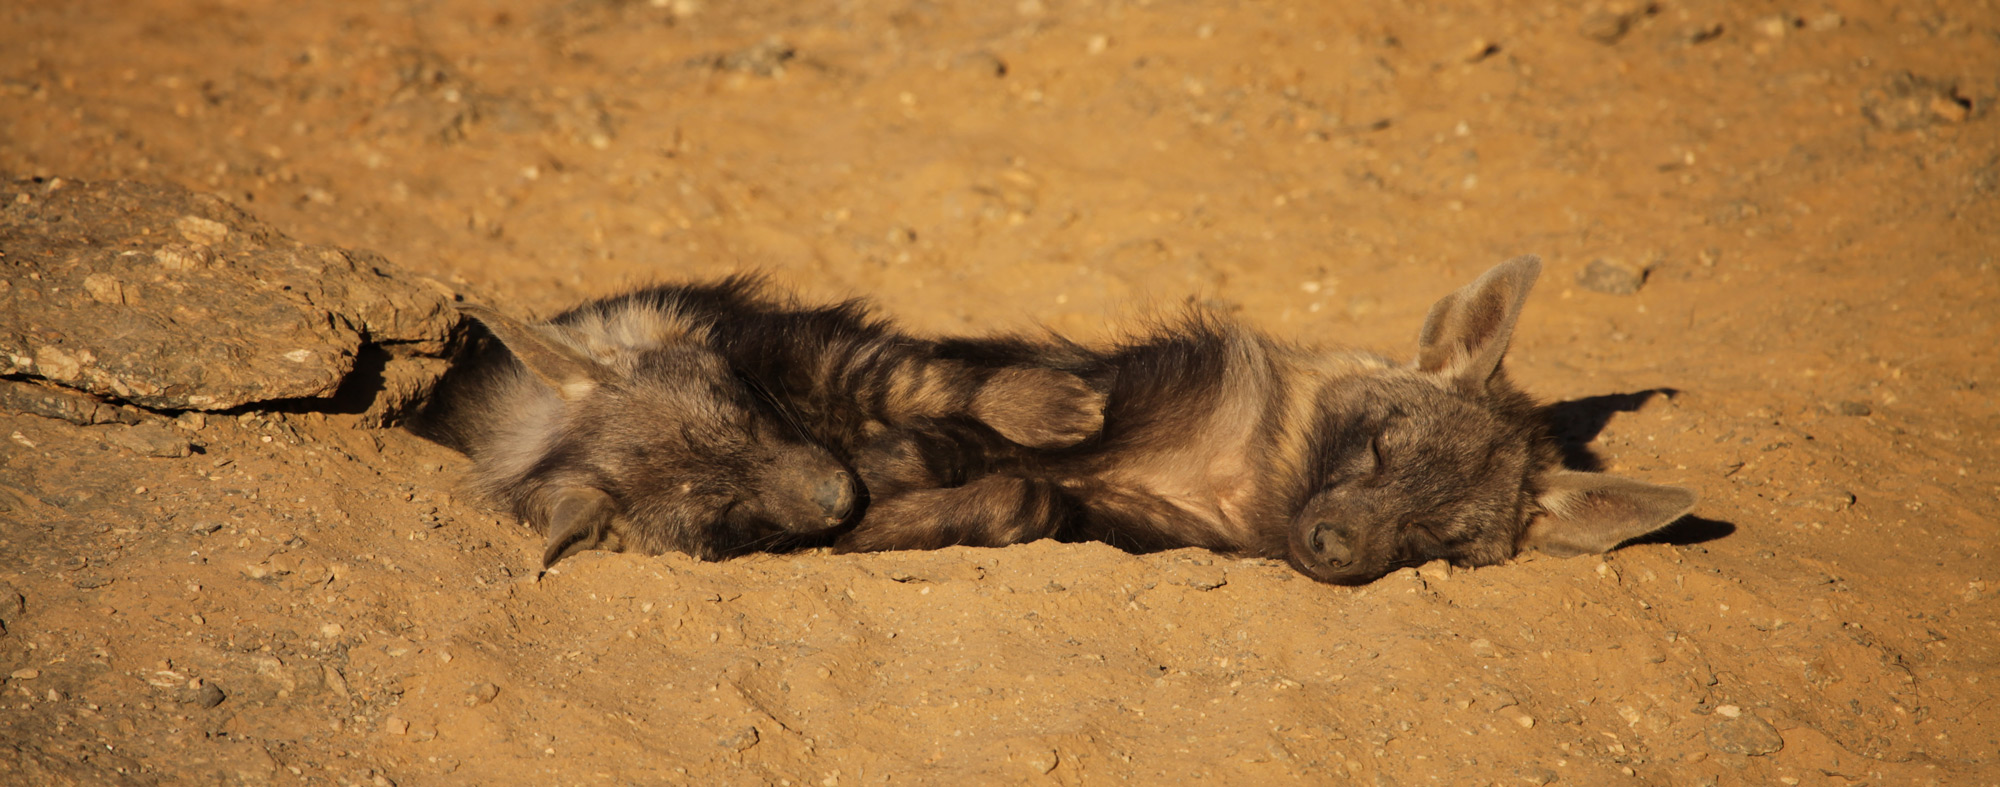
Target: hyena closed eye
{"points": [[1344, 464], [714, 419]]}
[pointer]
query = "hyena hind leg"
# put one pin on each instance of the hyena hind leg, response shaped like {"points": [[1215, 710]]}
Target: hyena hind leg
{"points": [[989, 511], [1040, 408]]}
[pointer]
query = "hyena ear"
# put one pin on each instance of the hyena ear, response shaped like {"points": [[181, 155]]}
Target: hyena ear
{"points": [[572, 375], [579, 519], [1466, 334], [1588, 513]]}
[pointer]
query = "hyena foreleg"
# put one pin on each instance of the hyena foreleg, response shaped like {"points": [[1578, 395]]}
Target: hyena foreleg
{"points": [[988, 511]]}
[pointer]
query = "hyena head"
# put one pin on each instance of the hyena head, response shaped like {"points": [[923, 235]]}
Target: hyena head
{"points": [[1446, 459], [658, 444]]}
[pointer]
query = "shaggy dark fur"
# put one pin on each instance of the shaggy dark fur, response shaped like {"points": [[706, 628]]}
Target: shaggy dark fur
{"points": [[1342, 463], [715, 419]]}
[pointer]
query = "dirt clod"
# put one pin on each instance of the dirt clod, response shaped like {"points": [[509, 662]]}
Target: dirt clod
{"points": [[1746, 734], [482, 693], [1906, 101], [1612, 277], [739, 740], [208, 695], [1833, 501]]}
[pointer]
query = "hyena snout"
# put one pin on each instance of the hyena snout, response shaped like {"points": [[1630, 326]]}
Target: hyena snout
{"points": [[1339, 552], [835, 496], [808, 492], [1331, 544], [1342, 540]]}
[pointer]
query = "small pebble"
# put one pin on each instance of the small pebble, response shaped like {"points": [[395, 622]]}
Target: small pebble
{"points": [[1611, 277], [1537, 776], [209, 695], [1745, 734], [740, 740], [1205, 578], [1606, 27], [29, 673], [482, 693], [1833, 501]]}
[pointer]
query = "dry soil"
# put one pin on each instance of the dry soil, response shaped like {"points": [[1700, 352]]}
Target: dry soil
{"points": [[1809, 189]]}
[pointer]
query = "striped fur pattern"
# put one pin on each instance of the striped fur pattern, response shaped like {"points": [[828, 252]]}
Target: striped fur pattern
{"points": [[715, 419], [1343, 463]]}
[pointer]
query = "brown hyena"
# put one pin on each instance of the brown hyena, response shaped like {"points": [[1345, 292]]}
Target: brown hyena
{"points": [[1343, 463], [713, 419]]}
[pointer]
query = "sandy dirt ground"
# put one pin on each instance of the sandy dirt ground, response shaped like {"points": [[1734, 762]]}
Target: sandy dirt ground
{"points": [[1809, 188]]}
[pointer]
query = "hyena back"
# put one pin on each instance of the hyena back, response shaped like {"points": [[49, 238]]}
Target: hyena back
{"points": [[713, 419], [1344, 464]]}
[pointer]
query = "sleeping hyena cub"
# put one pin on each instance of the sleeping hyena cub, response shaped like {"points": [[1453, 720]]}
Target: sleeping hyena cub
{"points": [[1342, 463], [714, 419]]}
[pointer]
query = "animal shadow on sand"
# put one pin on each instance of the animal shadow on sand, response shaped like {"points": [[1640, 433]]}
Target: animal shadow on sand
{"points": [[1577, 422]]}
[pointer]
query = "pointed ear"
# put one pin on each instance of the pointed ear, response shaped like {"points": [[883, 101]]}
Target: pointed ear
{"points": [[1466, 333], [572, 375], [579, 519], [1588, 513]]}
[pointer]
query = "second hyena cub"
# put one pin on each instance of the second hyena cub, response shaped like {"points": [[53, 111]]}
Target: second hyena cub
{"points": [[1344, 464], [713, 419]]}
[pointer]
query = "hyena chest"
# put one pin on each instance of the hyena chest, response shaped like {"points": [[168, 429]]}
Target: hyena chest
{"points": [[1213, 476], [1213, 492]]}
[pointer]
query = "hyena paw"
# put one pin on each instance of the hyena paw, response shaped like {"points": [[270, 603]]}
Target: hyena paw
{"points": [[1040, 408]]}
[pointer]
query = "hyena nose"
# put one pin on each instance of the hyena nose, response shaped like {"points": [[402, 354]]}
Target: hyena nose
{"points": [[1332, 544], [835, 495]]}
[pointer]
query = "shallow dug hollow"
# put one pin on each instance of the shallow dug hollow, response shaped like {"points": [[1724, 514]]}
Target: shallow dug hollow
{"points": [[1771, 275]]}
